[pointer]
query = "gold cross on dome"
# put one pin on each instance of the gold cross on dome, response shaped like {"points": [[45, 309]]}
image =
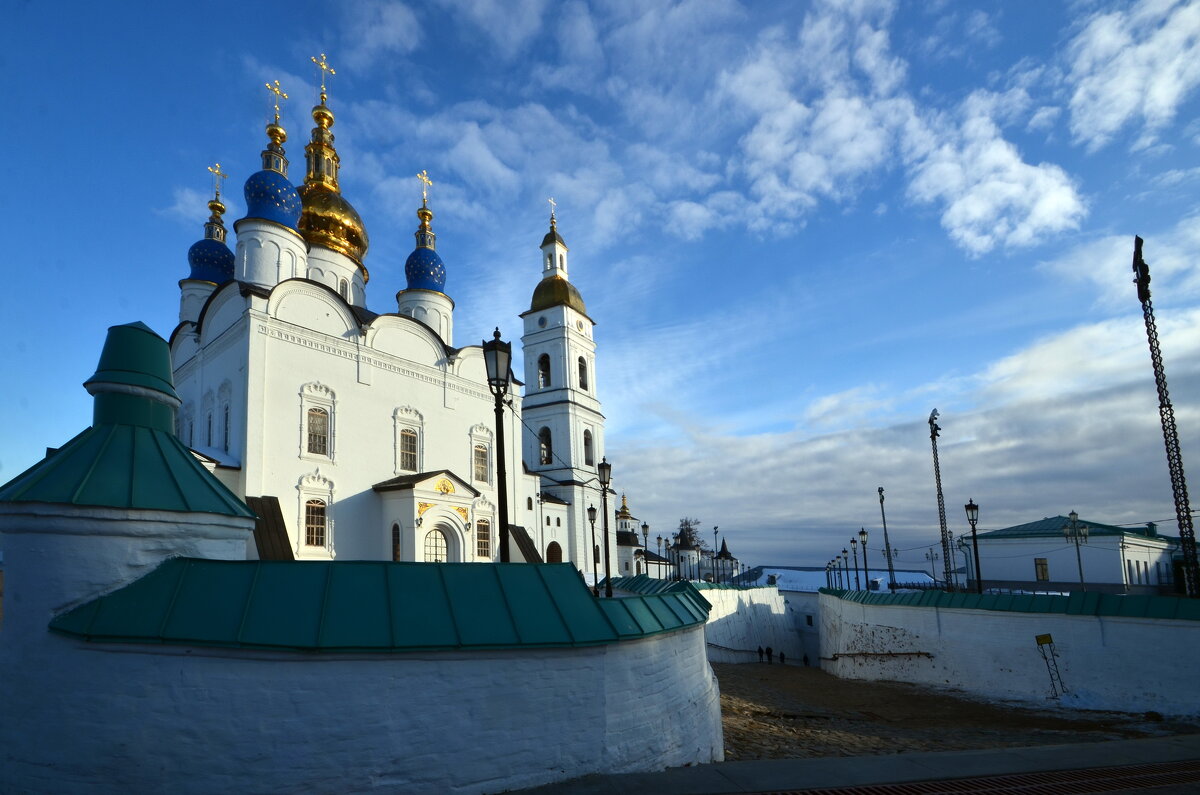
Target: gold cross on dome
{"points": [[279, 94], [218, 177], [426, 183], [553, 206], [324, 66]]}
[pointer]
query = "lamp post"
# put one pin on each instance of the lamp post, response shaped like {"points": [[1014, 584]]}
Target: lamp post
{"points": [[854, 550], [1073, 530], [837, 570], [497, 357], [862, 538], [646, 544], [591, 512], [973, 517], [660, 563], [933, 558], [605, 470], [934, 429], [846, 566], [828, 581], [887, 544], [716, 579]]}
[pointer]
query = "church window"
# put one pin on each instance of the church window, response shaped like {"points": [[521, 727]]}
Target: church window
{"points": [[583, 379], [480, 459], [208, 437], [225, 428], [529, 503], [483, 539], [543, 371], [395, 542], [435, 546], [545, 446], [553, 553], [558, 521], [562, 261], [408, 450], [549, 261], [314, 523], [344, 290], [626, 565], [1129, 570], [318, 431], [589, 457], [1041, 569], [547, 521]]}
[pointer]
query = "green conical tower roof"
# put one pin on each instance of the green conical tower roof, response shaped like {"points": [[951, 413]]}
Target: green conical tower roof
{"points": [[130, 457]]}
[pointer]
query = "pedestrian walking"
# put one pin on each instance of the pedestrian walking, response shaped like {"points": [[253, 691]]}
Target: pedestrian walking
{"points": [[770, 655], [805, 660], [781, 659], [760, 653]]}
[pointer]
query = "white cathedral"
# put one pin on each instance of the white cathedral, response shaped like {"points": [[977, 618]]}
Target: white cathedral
{"points": [[369, 436]]}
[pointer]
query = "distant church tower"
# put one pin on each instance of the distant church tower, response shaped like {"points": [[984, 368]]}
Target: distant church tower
{"points": [[564, 429]]}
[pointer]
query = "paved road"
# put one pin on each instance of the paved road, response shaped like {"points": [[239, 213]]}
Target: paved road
{"points": [[1161, 755]]}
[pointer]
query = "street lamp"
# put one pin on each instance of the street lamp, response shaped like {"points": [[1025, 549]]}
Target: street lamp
{"points": [[887, 544], [646, 544], [854, 549], [605, 470], [837, 572], [972, 518], [1073, 530], [660, 558], [591, 512], [933, 558], [497, 357], [862, 537], [846, 566], [714, 556]]}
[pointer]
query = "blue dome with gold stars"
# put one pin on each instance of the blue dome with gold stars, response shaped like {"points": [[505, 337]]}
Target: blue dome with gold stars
{"points": [[211, 261], [425, 270], [272, 197]]}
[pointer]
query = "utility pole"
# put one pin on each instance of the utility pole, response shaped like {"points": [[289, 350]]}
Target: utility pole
{"points": [[887, 545], [1166, 414], [937, 475]]}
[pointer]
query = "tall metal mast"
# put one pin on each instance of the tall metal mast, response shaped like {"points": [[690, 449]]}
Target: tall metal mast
{"points": [[937, 474], [1183, 509]]}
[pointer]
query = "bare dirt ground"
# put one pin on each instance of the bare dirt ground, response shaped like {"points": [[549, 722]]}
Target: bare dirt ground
{"points": [[788, 712]]}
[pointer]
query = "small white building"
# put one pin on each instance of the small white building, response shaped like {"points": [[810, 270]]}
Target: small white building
{"points": [[1044, 556]]}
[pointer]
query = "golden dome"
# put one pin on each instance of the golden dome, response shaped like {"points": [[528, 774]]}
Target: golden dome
{"points": [[329, 221], [556, 291]]}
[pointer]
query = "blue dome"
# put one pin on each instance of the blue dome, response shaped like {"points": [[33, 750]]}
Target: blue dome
{"points": [[270, 196], [211, 261], [425, 271]]}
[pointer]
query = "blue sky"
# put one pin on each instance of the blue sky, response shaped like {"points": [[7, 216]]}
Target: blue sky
{"points": [[799, 227]]}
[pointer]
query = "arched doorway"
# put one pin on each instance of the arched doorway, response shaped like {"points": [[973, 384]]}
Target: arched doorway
{"points": [[554, 553], [436, 547]]}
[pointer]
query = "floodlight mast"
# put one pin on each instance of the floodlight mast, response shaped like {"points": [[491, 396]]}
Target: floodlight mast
{"points": [[1166, 414], [937, 475]]}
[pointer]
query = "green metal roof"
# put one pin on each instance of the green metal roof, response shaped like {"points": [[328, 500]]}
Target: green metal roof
{"points": [[1053, 526], [125, 466], [641, 584], [130, 457], [1076, 604], [370, 606]]}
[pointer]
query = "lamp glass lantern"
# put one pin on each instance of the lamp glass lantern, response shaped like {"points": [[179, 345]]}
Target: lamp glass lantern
{"points": [[972, 511], [497, 358]]}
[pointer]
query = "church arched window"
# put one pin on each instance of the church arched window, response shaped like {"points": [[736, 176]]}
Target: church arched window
{"points": [[583, 379], [225, 428], [589, 457], [553, 553], [545, 446], [408, 450], [480, 462], [314, 523], [344, 290], [529, 503], [543, 371], [318, 431], [395, 542], [208, 434], [435, 546], [483, 539]]}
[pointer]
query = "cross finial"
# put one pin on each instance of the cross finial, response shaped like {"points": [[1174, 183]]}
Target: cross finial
{"points": [[324, 66], [553, 207], [218, 177], [426, 182], [279, 94]]}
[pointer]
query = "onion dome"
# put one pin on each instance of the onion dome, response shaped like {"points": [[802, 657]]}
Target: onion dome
{"points": [[624, 512], [270, 196], [554, 289], [210, 258], [424, 269], [327, 219]]}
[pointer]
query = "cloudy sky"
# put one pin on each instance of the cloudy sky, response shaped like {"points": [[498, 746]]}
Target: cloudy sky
{"points": [[800, 226]]}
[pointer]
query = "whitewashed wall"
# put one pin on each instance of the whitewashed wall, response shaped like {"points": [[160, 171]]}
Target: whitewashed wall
{"points": [[96, 718], [1112, 663], [741, 620]]}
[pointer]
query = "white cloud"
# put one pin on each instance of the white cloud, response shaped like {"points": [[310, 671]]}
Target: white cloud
{"points": [[1044, 118], [375, 30], [509, 24], [1133, 66]]}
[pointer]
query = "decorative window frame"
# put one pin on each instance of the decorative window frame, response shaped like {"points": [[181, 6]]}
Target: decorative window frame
{"points": [[315, 395], [207, 407], [408, 418], [225, 401], [482, 434], [482, 510], [545, 446], [187, 424], [314, 486]]}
